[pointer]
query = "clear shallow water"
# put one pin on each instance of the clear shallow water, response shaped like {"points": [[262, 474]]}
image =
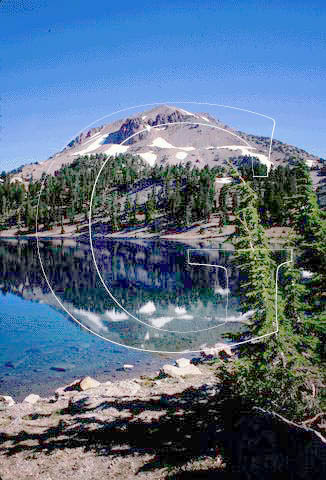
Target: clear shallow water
{"points": [[178, 307]]}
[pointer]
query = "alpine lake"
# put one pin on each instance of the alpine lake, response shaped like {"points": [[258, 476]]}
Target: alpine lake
{"points": [[70, 309]]}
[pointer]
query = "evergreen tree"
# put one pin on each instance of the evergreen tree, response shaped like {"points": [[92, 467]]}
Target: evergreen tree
{"points": [[268, 371], [149, 209]]}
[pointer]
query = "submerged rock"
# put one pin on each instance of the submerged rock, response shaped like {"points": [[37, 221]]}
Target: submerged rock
{"points": [[15, 363], [58, 368]]}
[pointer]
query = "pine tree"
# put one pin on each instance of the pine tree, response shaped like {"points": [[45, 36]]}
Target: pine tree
{"points": [[127, 207], [149, 209], [286, 373]]}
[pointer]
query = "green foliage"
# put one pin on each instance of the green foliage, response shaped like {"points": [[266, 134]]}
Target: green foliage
{"points": [[283, 372], [276, 388]]}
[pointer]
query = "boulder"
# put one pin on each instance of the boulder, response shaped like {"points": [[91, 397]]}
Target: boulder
{"points": [[6, 401], [121, 389], [32, 398], [87, 383], [95, 397], [182, 362], [180, 372], [73, 386], [78, 385]]}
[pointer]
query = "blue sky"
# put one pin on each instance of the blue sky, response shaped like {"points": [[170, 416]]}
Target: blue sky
{"points": [[66, 63]]}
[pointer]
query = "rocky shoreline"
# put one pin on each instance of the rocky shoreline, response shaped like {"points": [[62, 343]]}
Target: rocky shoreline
{"points": [[183, 369], [174, 425], [32, 430]]}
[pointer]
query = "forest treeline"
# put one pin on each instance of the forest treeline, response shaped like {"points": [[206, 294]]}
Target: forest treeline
{"points": [[129, 192]]}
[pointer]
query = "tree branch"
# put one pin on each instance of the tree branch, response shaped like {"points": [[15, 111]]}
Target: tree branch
{"points": [[312, 420]]}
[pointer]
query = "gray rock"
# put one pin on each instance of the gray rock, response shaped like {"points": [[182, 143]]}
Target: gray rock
{"points": [[123, 388], [87, 383], [68, 390], [95, 397], [181, 372], [6, 401], [32, 398], [182, 362]]}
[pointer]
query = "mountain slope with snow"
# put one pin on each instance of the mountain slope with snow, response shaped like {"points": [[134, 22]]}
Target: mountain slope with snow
{"points": [[169, 135]]}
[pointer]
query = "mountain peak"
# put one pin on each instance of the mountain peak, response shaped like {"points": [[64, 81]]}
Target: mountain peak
{"points": [[167, 134]]}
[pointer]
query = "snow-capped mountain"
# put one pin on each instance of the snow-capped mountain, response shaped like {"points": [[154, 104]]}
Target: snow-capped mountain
{"points": [[169, 135]]}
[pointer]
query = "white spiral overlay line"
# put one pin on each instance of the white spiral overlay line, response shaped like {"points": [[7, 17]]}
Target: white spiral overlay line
{"points": [[276, 285], [90, 226], [215, 266], [39, 198]]}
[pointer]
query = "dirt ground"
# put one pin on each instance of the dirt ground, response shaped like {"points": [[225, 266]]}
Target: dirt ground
{"points": [[167, 430], [198, 231]]}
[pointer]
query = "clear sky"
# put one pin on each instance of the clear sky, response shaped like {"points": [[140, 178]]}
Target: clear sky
{"points": [[65, 63]]}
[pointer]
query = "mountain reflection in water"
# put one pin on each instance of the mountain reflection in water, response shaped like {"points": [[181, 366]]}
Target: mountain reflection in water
{"points": [[177, 306]]}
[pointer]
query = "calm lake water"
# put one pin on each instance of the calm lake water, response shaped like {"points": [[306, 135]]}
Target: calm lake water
{"points": [[163, 303]]}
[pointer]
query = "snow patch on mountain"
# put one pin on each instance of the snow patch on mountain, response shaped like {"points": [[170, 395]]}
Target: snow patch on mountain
{"points": [[188, 113], [245, 150], [91, 318], [150, 157], [93, 146], [161, 143], [306, 274], [181, 155], [115, 148], [186, 316], [242, 317], [222, 291], [91, 138], [223, 180]]}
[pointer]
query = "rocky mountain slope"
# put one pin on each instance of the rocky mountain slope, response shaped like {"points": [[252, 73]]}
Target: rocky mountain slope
{"points": [[171, 135]]}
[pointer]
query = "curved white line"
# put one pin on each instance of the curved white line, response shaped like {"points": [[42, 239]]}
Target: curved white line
{"points": [[42, 185], [90, 228]]}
